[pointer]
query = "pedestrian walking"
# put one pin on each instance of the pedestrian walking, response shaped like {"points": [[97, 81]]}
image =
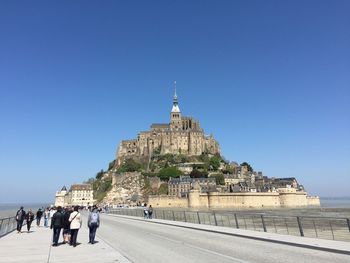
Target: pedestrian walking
{"points": [[66, 225], [150, 212], [75, 224], [20, 216], [93, 224], [56, 225], [145, 212], [29, 219], [39, 214], [46, 217], [53, 210]]}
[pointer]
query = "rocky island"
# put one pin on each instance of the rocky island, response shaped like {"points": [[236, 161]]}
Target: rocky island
{"points": [[176, 165]]}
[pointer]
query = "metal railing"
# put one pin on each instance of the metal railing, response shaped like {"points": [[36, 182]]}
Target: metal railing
{"points": [[7, 225], [333, 228]]}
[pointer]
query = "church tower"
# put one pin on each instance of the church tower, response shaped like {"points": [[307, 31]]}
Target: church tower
{"points": [[175, 115]]}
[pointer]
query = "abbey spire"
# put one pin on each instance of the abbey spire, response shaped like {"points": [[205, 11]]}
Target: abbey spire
{"points": [[175, 101], [175, 115]]}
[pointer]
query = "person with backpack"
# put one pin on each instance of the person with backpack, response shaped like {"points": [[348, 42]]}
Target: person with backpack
{"points": [[75, 224], [93, 224], [66, 225], [56, 225], [145, 212], [20, 216]]}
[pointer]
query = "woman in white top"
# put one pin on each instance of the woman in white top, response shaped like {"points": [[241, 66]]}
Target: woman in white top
{"points": [[75, 224]]}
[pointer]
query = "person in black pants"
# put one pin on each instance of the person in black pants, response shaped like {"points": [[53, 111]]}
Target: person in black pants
{"points": [[39, 214], [75, 224], [29, 219], [66, 225], [20, 216], [56, 225], [93, 224]]}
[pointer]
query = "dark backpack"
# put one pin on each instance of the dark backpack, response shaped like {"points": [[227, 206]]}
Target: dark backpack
{"points": [[20, 215]]}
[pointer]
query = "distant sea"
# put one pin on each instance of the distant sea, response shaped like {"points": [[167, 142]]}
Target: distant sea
{"points": [[335, 202], [8, 210]]}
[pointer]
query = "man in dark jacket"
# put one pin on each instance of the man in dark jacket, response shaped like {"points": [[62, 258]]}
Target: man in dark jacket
{"points": [[20, 216], [56, 225], [39, 214]]}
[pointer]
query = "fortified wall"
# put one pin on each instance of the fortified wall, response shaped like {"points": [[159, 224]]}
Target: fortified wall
{"points": [[215, 200]]}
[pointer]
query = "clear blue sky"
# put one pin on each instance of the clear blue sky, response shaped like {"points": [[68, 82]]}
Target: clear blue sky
{"points": [[270, 80]]}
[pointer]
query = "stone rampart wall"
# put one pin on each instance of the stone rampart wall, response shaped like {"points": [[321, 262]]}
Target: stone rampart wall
{"points": [[243, 200], [217, 200], [313, 201], [167, 201]]}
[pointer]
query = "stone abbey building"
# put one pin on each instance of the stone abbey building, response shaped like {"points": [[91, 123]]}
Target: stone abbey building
{"points": [[183, 135]]}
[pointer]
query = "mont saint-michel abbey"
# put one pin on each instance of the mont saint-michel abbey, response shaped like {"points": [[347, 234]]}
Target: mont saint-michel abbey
{"points": [[183, 135]]}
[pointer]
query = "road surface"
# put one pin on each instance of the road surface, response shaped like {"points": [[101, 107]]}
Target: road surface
{"points": [[143, 241]]}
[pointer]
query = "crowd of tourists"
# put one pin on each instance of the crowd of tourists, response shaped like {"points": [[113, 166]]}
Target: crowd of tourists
{"points": [[67, 219]]}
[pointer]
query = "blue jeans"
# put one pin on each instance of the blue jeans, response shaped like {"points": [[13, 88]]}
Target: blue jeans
{"points": [[56, 235], [19, 225], [92, 232], [38, 221], [46, 222]]}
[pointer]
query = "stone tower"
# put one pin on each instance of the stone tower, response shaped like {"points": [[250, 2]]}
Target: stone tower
{"points": [[175, 115]]}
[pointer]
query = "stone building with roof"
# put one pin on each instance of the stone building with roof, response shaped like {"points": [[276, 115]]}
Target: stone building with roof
{"points": [[79, 194], [181, 186]]}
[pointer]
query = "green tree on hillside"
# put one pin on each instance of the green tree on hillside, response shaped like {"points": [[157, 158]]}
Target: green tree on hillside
{"points": [[99, 175], [198, 174], [250, 169], [129, 165], [219, 178], [111, 165], [215, 162], [166, 173], [101, 187]]}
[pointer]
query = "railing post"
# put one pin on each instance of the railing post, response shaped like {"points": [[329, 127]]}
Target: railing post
{"points": [[300, 226], [228, 220], [199, 219], [263, 223], [313, 222], [236, 220], [163, 215], [1, 228], [173, 215], [285, 221], [348, 221], [216, 222], [274, 224], [330, 224], [155, 214], [185, 216]]}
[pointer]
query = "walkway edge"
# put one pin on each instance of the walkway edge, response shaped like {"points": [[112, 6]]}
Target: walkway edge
{"points": [[262, 236]]}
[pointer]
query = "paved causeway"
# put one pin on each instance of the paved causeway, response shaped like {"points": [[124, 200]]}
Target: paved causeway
{"points": [[124, 239], [36, 247]]}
